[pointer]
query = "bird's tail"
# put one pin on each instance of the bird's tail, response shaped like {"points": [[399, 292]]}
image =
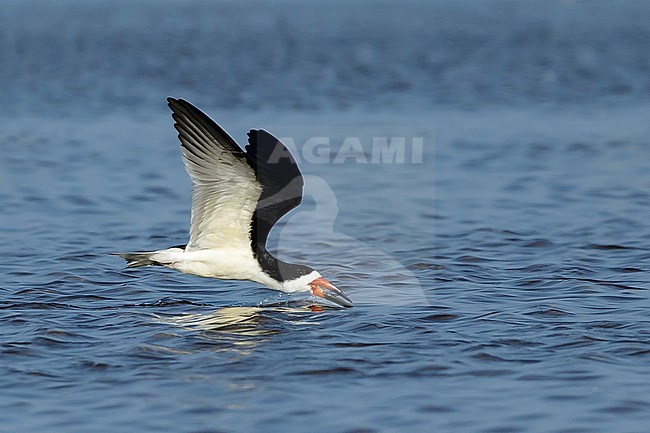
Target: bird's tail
{"points": [[135, 260]]}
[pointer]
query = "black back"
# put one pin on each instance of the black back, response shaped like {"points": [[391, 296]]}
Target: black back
{"points": [[282, 184]]}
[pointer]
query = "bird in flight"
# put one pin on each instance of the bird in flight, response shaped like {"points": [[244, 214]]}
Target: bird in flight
{"points": [[237, 197]]}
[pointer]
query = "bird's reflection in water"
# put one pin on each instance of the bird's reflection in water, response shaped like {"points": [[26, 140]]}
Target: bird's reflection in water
{"points": [[241, 329]]}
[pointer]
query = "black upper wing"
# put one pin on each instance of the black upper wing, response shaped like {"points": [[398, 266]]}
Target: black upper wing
{"points": [[282, 183]]}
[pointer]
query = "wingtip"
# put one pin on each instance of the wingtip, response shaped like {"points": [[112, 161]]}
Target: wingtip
{"points": [[255, 132], [180, 105], [171, 102]]}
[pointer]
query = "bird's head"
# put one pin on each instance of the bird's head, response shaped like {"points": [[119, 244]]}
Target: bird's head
{"points": [[315, 283]]}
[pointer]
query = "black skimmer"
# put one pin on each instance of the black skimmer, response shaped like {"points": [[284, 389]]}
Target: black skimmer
{"points": [[237, 197]]}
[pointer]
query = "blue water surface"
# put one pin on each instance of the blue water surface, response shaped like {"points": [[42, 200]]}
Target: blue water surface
{"points": [[499, 269]]}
